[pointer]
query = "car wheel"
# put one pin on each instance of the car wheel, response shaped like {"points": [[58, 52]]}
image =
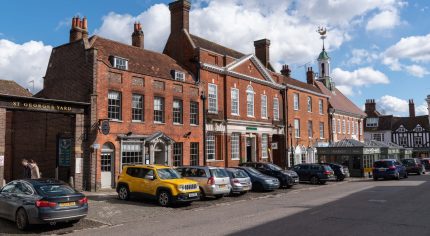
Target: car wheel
{"points": [[123, 192], [314, 180], [164, 198], [258, 187], [289, 186], [322, 182], [21, 219]]}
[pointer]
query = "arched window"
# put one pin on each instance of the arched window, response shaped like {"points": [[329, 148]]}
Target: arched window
{"points": [[250, 101], [322, 69]]}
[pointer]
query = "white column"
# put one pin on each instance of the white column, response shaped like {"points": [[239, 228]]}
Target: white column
{"points": [[168, 160], [151, 153]]}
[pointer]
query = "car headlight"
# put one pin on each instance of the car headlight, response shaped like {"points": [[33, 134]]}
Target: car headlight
{"points": [[268, 181], [181, 187]]}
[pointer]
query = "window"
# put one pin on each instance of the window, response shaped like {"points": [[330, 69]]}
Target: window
{"points": [[403, 141], [235, 146], [339, 127], [132, 154], [321, 130], [310, 130], [120, 63], [275, 109], [177, 111], [349, 127], [333, 122], [177, 154], [210, 146], [418, 129], [418, 141], [296, 101], [180, 76], [297, 128], [343, 126], [194, 154], [114, 105], [194, 113], [356, 128], [378, 137], [158, 110], [264, 145], [235, 101], [263, 106], [213, 98], [361, 128], [321, 106], [372, 122], [309, 104], [137, 107], [250, 101]]}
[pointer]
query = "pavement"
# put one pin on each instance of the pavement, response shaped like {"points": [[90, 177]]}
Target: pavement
{"points": [[353, 207]]}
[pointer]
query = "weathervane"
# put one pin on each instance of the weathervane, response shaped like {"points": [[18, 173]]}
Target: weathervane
{"points": [[323, 33]]}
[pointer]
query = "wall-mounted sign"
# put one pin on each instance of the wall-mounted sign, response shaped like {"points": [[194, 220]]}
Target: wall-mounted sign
{"points": [[105, 127], [274, 146], [1, 160], [64, 151], [78, 165], [251, 128]]}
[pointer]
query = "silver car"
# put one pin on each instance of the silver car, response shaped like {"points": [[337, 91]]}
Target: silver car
{"points": [[239, 180], [213, 181]]}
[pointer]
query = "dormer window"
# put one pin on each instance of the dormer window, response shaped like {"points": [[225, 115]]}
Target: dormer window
{"points": [[179, 76], [418, 129], [120, 63], [372, 122]]}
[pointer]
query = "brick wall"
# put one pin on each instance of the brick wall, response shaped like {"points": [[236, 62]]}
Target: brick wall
{"points": [[348, 134], [2, 140]]}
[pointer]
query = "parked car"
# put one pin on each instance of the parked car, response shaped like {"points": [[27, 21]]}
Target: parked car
{"points": [[287, 178], [260, 181], [239, 180], [213, 181], [41, 201], [426, 163], [314, 173], [388, 168], [414, 165], [341, 172], [159, 182]]}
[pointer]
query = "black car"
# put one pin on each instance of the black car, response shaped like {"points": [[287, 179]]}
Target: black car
{"points": [[315, 173], [40, 201], [414, 165], [426, 163], [341, 172], [260, 181], [287, 178]]}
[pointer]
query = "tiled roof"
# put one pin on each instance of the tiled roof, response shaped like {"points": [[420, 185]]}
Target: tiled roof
{"points": [[294, 82], [347, 143], [139, 60], [206, 44], [339, 101], [410, 122], [10, 87]]}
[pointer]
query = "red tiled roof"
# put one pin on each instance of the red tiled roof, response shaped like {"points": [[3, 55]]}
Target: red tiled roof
{"points": [[10, 87], [295, 82], [339, 101], [140, 61], [206, 44]]}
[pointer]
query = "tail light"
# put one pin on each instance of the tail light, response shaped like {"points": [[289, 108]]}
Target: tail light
{"points": [[327, 172], [211, 181], [83, 200], [392, 168], [236, 181], [40, 203]]}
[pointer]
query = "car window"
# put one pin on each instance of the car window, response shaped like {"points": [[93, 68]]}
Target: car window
{"points": [[382, 164], [134, 172], [219, 173], [253, 171], [315, 167], [55, 190], [239, 174], [397, 163], [327, 167], [304, 167], [274, 167], [168, 173], [142, 172], [9, 188], [24, 189]]}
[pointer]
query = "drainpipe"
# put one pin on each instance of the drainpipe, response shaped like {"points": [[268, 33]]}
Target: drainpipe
{"points": [[203, 97], [284, 116]]}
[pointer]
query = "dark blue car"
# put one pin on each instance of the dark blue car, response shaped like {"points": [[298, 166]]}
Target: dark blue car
{"points": [[389, 169], [260, 181]]}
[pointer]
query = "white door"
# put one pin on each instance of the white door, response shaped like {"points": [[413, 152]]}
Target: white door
{"points": [[106, 169]]}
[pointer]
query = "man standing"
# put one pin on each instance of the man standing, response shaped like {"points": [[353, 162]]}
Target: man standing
{"points": [[27, 169]]}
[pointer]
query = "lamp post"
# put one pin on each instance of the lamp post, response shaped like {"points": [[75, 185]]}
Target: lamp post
{"points": [[290, 132], [203, 98]]}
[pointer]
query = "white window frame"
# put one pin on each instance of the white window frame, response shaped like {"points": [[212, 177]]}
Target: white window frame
{"points": [[115, 97], [212, 98], [403, 141], [120, 63], [210, 146], [321, 106], [297, 128], [275, 108], [296, 104], [235, 102], [343, 126], [178, 112], [416, 139], [264, 146], [309, 102], [310, 128], [372, 122], [264, 106], [250, 99], [321, 130], [339, 126], [349, 127], [334, 125], [179, 76], [235, 146]]}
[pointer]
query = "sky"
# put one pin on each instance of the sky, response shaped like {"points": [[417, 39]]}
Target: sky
{"points": [[379, 49]]}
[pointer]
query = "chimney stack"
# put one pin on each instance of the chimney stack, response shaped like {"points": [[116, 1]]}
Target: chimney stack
{"points": [[286, 71], [79, 29], [310, 76], [262, 51], [411, 108], [370, 106], [179, 16], [84, 28], [137, 38]]}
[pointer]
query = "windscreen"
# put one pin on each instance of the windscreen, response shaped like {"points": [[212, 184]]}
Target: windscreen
{"points": [[55, 190], [383, 164], [239, 174], [219, 173], [168, 174]]}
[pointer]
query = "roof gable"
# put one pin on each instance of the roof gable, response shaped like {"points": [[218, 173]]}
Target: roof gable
{"points": [[10, 87], [248, 67]]}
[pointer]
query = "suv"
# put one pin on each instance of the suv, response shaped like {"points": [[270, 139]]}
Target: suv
{"points": [[287, 178], [426, 163], [213, 181], [388, 168], [341, 172], [158, 182], [315, 173], [414, 165]]}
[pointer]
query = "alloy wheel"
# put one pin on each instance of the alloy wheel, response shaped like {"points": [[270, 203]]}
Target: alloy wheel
{"points": [[163, 198], [123, 193]]}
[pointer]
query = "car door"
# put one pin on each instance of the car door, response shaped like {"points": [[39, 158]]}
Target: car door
{"points": [[150, 181], [5, 200], [141, 185], [401, 168], [11, 202]]}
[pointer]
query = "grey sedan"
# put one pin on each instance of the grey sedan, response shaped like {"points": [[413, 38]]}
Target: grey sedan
{"points": [[41, 201]]}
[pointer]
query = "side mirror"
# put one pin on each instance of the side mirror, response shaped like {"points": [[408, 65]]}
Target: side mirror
{"points": [[150, 177]]}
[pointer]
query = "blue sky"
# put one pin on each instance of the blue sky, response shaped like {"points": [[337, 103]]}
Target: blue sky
{"points": [[379, 48]]}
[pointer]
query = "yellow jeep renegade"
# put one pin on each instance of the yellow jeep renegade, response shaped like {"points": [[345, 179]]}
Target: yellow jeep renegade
{"points": [[156, 181]]}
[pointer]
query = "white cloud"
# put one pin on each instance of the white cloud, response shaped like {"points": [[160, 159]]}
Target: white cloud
{"points": [[422, 109], [399, 107], [417, 71], [350, 81], [361, 56], [387, 19], [24, 62]]}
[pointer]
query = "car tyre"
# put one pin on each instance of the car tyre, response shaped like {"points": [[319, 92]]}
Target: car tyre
{"points": [[123, 193], [164, 198], [21, 219], [314, 180], [322, 182], [258, 187]]}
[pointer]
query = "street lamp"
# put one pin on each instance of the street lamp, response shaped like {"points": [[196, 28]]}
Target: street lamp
{"points": [[290, 132]]}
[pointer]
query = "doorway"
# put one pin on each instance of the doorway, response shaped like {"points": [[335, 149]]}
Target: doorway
{"points": [[160, 154], [250, 149], [106, 165]]}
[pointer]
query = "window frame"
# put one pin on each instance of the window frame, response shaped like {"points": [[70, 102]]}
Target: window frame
{"points": [[117, 107], [321, 106], [210, 146], [194, 153], [264, 114], [178, 154], [321, 126], [296, 101], [118, 65], [134, 109], [235, 103], [250, 101], [309, 103], [275, 108], [212, 98], [194, 113], [297, 128], [159, 113], [178, 113], [265, 146], [179, 76], [235, 146], [310, 128]]}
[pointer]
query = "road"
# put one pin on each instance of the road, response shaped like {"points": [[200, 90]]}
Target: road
{"points": [[348, 208]]}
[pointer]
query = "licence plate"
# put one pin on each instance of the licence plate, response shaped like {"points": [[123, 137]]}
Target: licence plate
{"points": [[381, 169], [192, 195], [222, 186], [67, 204]]}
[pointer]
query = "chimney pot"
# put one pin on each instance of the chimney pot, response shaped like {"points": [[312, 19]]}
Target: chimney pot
{"points": [[286, 71], [310, 77], [411, 108], [137, 38]]}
